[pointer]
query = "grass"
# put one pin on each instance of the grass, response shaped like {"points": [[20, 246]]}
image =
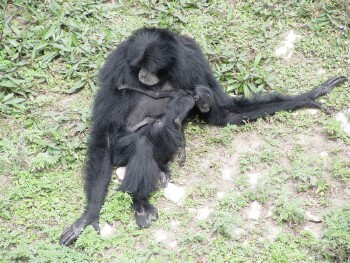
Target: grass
{"points": [[50, 54], [336, 237], [288, 210]]}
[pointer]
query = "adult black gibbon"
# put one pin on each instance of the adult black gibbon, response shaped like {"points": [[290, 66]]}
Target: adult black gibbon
{"points": [[160, 61]]}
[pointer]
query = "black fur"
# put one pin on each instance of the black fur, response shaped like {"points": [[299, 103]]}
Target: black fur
{"points": [[176, 110], [178, 64]]}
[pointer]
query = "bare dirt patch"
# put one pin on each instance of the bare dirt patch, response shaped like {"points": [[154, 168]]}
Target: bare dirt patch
{"points": [[218, 166]]}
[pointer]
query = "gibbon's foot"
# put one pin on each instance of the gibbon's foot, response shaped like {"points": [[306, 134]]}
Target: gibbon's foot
{"points": [[164, 179], [327, 86], [72, 233], [181, 155], [146, 215]]}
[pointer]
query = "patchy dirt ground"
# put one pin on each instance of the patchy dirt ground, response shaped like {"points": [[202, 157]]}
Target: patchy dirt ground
{"points": [[276, 190], [253, 179], [219, 169]]}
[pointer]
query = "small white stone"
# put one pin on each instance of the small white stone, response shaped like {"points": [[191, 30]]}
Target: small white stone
{"points": [[203, 213], [272, 232], [220, 195], [174, 224], [254, 211], [174, 193], [253, 179], [345, 125], [346, 128], [269, 213], [312, 111], [238, 231], [160, 235], [312, 218], [121, 173], [321, 71], [315, 229], [227, 174], [107, 230], [281, 51], [192, 210], [291, 37], [171, 245], [285, 50], [341, 117], [324, 154]]}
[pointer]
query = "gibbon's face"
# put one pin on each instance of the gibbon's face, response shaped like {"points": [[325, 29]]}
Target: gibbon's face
{"points": [[151, 56]]}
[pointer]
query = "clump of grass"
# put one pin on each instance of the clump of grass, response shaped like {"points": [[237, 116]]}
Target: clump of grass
{"points": [[289, 248], [260, 194], [288, 211], [224, 223], [232, 202], [341, 170], [336, 240], [307, 172], [226, 135], [335, 131]]}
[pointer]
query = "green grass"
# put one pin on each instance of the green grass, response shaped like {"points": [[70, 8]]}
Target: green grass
{"points": [[336, 241], [50, 54], [288, 210]]}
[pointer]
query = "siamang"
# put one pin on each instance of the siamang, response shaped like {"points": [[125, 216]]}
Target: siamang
{"points": [[160, 61], [176, 110], [202, 96]]}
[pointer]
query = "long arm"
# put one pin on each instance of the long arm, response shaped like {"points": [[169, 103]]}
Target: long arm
{"points": [[98, 176], [108, 117]]}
